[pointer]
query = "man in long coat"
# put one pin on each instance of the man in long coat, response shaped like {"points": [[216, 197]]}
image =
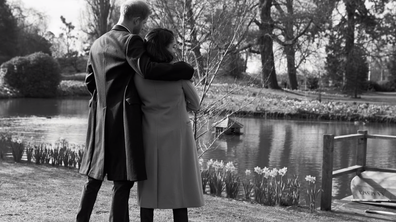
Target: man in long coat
{"points": [[114, 144]]}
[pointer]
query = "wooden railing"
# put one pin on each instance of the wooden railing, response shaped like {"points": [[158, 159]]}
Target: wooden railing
{"points": [[327, 165]]}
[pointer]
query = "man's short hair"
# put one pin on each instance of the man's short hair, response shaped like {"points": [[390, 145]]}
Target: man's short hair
{"points": [[134, 9]]}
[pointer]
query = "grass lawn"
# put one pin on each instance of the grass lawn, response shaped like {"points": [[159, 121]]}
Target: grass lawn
{"points": [[38, 193]]}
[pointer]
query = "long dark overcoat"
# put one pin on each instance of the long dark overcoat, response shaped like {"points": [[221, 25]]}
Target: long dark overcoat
{"points": [[114, 145]]}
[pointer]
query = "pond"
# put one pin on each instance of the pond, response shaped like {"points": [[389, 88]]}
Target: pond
{"points": [[295, 144]]}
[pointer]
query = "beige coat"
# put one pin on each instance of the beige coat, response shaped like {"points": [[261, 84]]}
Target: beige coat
{"points": [[173, 173]]}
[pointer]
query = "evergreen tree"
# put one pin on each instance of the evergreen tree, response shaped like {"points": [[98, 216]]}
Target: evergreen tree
{"points": [[9, 33], [357, 68]]}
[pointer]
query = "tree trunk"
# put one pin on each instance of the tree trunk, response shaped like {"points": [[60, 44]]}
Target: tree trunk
{"points": [[291, 66], [350, 32], [104, 8], [266, 45], [289, 48]]}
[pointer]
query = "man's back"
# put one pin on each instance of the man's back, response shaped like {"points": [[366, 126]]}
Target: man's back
{"points": [[113, 138], [110, 67]]}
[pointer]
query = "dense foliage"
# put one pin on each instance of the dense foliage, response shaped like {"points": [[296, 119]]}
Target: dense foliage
{"points": [[8, 30], [35, 75], [234, 65], [357, 69]]}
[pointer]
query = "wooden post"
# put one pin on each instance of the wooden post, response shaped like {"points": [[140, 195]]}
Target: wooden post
{"points": [[327, 172], [361, 149]]}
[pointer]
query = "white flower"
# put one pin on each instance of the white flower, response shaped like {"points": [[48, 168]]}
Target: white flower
{"points": [[266, 172], [248, 172], [282, 171], [310, 179], [209, 163], [218, 165], [19, 141], [258, 170], [200, 161], [230, 167], [274, 172]]}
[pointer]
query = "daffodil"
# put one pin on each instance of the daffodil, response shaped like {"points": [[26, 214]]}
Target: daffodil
{"points": [[248, 172], [282, 171]]}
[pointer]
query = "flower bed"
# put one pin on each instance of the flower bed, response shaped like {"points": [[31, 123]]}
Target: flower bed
{"points": [[265, 186], [269, 187]]}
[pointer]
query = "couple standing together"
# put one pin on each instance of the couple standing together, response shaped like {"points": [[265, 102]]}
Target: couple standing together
{"points": [[138, 125]]}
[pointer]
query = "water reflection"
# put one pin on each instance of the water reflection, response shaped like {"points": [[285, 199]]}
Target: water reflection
{"points": [[25, 107], [264, 142]]}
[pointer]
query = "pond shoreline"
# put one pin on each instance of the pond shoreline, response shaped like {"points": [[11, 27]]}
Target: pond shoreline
{"points": [[274, 104], [315, 117]]}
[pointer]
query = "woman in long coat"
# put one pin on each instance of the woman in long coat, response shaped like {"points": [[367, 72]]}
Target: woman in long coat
{"points": [[173, 173]]}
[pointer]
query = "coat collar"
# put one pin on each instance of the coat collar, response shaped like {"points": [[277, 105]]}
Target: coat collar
{"points": [[119, 27]]}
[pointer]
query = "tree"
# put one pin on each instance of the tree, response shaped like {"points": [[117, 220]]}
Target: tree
{"points": [[211, 35], [70, 56], [357, 69], [265, 42], [207, 30], [100, 17], [9, 32], [292, 21], [31, 28], [357, 25], [67, 35]]}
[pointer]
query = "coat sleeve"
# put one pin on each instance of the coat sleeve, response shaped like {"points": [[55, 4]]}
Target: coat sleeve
{"points": [[139, 60], [191, 95]]}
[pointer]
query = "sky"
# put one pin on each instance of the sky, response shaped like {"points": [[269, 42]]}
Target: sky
{"points": [[70, 9]]}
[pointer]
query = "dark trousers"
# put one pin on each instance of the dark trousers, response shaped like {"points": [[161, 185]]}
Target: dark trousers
{"points": [[179, 215], [119, 205]]}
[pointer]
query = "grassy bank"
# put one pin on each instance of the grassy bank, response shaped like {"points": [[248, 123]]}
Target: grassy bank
{"points": [[38, 193], [253, 101]]}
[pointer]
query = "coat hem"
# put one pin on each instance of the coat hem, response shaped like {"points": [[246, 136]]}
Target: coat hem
{"points": [[175, 207]]}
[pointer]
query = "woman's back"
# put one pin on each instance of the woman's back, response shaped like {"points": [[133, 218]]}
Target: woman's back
{"points": [[173, 173], [163, 101]]}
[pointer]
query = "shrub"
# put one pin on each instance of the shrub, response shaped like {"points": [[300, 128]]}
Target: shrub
{"points": [[372, 85], [387, 86], [312, 82], [35, 75], [234, 66]]}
